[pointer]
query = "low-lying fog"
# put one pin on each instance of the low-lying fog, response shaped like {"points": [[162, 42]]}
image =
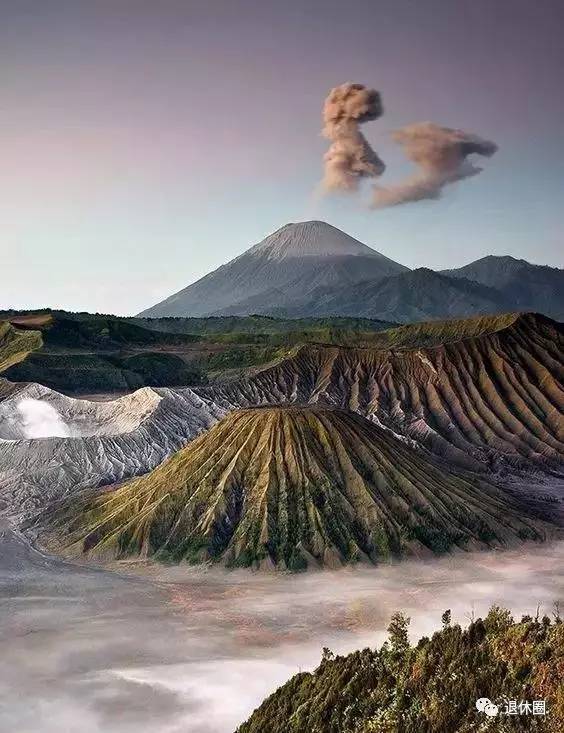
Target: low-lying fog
{"points": [[191, 651]]}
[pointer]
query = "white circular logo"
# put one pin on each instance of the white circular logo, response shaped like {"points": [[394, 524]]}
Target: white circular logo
{"points": [[485, 705], [491, 710]]}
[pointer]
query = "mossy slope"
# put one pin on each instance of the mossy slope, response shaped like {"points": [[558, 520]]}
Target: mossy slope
{"points": [[291, 487], [431, 687], [16, 345], [89, 353]]}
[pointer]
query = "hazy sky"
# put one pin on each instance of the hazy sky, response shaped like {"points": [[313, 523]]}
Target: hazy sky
{"points": [[144, 144]]}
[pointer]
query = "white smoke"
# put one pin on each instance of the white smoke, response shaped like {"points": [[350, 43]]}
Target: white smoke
{"points": [[41, 420]]}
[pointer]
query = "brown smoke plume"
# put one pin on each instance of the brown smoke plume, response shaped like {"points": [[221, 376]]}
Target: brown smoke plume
{"points": [[350, 156], [441, 155]]}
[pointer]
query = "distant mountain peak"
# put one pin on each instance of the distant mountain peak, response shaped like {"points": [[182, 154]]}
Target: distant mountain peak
{"points": [[287, 264], [421, 273], [310, 239], [500, 258], [496, 263]]}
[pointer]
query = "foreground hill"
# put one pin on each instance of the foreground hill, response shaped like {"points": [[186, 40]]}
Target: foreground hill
{"points": [[523, 285], [292, 486], [431, 687], [294, 260]]}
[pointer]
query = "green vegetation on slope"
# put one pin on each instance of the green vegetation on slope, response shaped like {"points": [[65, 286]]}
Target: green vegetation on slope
{"points": [[245, 355], [63, 330], [16, 344], [435, 333], [431, 687], [74, 343], [291, 487], [85, 352], [493, 400], [92, 373], [258, 324]]}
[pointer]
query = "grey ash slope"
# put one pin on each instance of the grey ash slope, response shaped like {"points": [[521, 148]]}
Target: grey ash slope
{"points": [[415, 295], [290, 262], [108, 442], [523, 285], [488, 286]]}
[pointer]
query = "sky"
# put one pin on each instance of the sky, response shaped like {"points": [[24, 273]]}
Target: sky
{"points": [[144, 144]]}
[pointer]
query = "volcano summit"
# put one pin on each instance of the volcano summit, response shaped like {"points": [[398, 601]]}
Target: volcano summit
{"points": [[290, 263]]}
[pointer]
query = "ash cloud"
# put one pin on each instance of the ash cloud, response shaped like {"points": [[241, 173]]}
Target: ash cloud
{"points": [[350, 156], [441, 154]]}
